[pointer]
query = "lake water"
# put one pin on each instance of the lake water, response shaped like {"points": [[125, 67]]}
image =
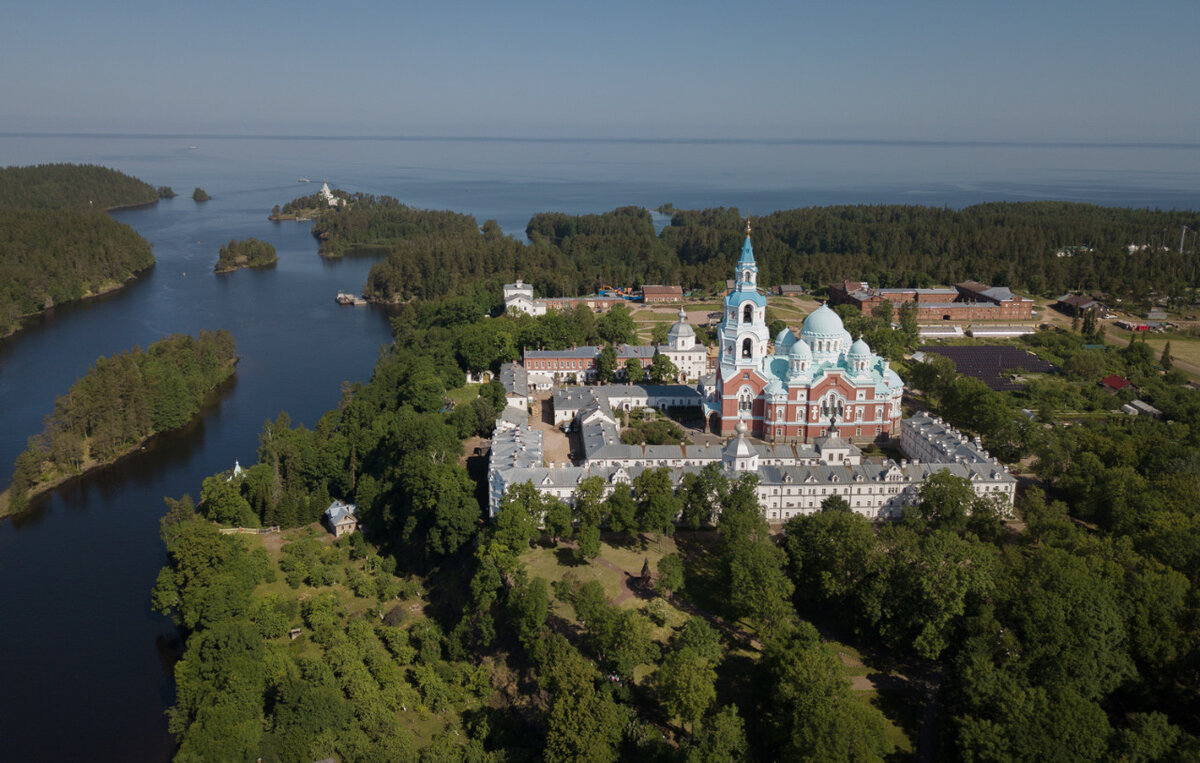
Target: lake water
{"points": [[83, 660]]}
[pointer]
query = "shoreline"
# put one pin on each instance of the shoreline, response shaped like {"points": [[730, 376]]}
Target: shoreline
{"points": [[108, 287], [211, 396], [225, 271]]}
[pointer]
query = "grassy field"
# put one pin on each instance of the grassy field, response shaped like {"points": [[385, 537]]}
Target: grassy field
{"points": [[464, 394]]}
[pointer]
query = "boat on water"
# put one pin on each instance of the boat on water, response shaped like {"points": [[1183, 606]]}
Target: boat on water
{"points": [[345, 298], [192, 148], [303, 180]]}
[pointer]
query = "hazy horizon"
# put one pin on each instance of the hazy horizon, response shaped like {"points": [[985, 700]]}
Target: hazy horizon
{"points": [[1095, 72]]}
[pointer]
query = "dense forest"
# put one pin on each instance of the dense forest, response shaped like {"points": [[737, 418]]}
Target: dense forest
{"points": [[56, 242], [48, 257], [122, 400], [71, 186], [1045, 248], [1071, 637], [248, 253]]}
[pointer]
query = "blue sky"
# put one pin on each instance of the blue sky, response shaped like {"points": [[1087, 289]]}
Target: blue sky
{"points": [[1057, 70]]}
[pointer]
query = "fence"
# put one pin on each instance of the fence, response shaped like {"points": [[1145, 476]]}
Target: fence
{"points": [[249, 530]]}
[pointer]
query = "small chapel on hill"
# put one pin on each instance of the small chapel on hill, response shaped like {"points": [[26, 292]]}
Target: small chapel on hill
{"points": [[816, 384]]}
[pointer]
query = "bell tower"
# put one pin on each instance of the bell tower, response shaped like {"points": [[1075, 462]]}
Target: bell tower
{"points": [[743, 333]]}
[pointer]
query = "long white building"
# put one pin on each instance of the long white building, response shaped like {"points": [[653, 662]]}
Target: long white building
{"points": [[794, 478]]}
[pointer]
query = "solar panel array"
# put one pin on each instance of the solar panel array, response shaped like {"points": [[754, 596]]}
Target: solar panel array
{"points": [[988, 363]]}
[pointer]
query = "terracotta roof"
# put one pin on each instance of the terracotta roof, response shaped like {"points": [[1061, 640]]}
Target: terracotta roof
{"points": [[1113, 381]]}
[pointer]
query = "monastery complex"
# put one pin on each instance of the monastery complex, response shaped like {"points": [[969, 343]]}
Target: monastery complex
{"points": [[794, 415]]}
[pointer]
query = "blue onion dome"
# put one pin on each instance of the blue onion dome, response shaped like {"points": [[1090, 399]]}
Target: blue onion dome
{"points": [[800, 351], [784, 340], [824, 323], [847, 340], [860, 349]]}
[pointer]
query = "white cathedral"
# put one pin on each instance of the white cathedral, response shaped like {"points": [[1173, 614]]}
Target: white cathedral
{"points": [[795, 415]]}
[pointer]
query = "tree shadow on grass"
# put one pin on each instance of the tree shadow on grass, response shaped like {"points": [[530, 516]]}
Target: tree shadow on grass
{"points": [[568, 557], [904, 708]]}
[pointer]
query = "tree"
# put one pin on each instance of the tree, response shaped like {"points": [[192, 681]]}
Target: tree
{"points": [[559, 520], [832, 555], [720, 739], [701, 494], [634, 373], [657, 505], [908, 321], [659, 332], [518, 519], [1089, 323], [758, 588], [883, 311], [932, 375], [1166, 361], [589, 505], [670, 574], [811, 714], [606, 364], [529, 605], [663, 370], [616, 326], [221, 501], [621, 511], [687, 685], [836, 503], [929, 580], [945, 501], [588, 538]]}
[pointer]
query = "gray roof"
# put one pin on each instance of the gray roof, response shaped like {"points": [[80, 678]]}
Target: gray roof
{"points": [[338, 511], [952, 444], [517, 447], [515, 379], [999, 293]]}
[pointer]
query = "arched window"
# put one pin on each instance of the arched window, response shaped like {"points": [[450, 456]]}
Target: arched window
{"points": [[747, 314], [747, 348], [745, 401]]}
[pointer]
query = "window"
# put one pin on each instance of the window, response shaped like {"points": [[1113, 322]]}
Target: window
{"points": [[747, 348], [747, 314]]}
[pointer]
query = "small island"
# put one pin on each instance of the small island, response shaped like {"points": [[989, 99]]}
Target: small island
{"points": [[166, 192], [200, 195], [123, 401], [250, 253]]}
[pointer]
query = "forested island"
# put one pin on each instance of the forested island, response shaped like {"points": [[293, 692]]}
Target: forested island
{"points": [[199, 194], [121, 402], [71, 186], [56, 242], [444, 636], [248, 253]]}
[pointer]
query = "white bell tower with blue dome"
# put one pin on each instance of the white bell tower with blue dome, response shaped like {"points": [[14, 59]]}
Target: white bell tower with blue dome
{"points": [[743, 334]]}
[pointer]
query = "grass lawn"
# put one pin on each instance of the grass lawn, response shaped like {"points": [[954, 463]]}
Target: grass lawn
{"points": [[464, 394], [903, 709]]}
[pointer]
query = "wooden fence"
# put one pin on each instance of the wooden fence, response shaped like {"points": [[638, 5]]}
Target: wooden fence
{"points": [[249, 530]]}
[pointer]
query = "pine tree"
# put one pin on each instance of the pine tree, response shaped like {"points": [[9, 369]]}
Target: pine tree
{"points": [[1166, 360]]}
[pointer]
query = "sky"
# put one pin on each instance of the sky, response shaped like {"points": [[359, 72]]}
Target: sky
{"points": [[1058, 70]]}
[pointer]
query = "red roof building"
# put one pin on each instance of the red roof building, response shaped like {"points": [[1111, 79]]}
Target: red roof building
{"points": [[1114, 382]]}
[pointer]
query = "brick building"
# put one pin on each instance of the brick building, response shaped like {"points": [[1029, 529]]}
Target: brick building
{"points": [[967, 301]]}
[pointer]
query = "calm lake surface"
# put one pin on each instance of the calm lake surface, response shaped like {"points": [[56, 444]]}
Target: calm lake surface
{"points": [[83, 661]]}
